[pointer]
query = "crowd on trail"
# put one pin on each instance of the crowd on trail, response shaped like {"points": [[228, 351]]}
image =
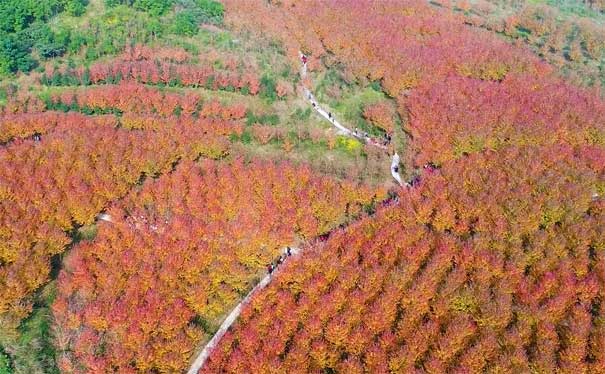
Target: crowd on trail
{"points": [[364, 136], [273, 265], [384, 142]]}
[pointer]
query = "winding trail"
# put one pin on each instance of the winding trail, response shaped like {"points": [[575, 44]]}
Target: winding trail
{"points": [[202, 357], [345, 131], [232, 317]]}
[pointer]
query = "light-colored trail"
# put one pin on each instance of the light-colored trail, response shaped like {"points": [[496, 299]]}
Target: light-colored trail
{"points": [[345, 131], [232, 317], [202, 357]]}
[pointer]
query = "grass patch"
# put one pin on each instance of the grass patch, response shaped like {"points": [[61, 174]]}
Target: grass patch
{"points": [[85, 233], [350, 108], [31, 349]]}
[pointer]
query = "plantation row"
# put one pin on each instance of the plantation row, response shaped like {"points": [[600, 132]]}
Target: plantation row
{"points": [[179, 254], [156, 73], [50, 187], [461, 276], [137, 98], [494, 262], [142, 52], [23, 125], [574, 43], [462, 115], [403, 44]]}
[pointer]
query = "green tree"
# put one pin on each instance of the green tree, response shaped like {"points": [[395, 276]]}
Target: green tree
{"points": [[15, 54], [154, 7], [212, 11], [186, 23], [76, 7], [4, 364], [267, 88]]}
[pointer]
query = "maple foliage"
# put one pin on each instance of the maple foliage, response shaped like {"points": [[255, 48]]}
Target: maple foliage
{"points": [[185, 246], [575, 43], [380, 114], [24, 125], [140, 99], [401, 43], [460, 276], [461, 115], [69, 177], [155, 73]]}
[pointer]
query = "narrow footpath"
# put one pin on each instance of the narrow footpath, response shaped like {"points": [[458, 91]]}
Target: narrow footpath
{"points": [[345, 131], [202, 357], [232, 317]]}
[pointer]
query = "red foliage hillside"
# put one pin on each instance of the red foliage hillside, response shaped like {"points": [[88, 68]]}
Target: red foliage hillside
{"points": [[401, 43], [188, 244], [462, 115], [27, 124], [493, 263], [46, 188], [138, 98]]}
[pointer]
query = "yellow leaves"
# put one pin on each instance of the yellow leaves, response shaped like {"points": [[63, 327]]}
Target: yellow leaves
{"points": [[594, 136], [287, 146], [489, 70], [98, 323], [348, 144], [423, 213], [465, 303], [551, 215], [8, 254], [5, 193], [471, 144]]}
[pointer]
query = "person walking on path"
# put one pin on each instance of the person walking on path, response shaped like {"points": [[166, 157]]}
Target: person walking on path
{"points": [[395, 169]]}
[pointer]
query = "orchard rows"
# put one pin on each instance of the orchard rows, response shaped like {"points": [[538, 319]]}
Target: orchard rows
{"points": [[492, 262]]}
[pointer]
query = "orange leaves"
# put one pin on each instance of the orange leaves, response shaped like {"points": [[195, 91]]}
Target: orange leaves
{"points": [[473, 284], [463, 116], [71, 175], [380, 114], [191, 244], [163, 74], [283, 88], [264, 133]]}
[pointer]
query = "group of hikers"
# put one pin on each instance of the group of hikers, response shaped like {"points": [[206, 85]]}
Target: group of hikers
{"points": [[386, 140], [428, 167], [357, 133], [280, 260]]}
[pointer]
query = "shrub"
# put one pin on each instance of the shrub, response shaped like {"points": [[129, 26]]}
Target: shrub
{"points": [[348, 144], [4, 364], [268, 88], [212, 11], [153, 7], [185, 23], [76, 7]]}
